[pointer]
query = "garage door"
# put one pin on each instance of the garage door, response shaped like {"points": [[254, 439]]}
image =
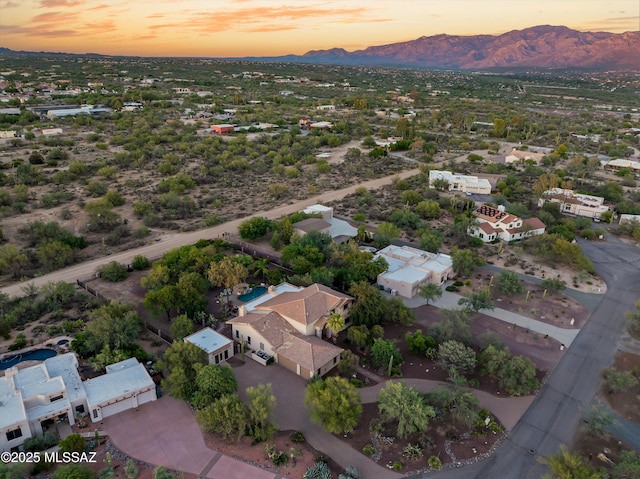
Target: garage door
{"points": [[117, 407]]}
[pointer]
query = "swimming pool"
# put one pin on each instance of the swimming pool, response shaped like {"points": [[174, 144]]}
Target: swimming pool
{"points": [[253, 294], [33, 355]]}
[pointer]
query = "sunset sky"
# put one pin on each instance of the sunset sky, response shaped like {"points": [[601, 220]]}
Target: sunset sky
{"points": [[223, 28]]}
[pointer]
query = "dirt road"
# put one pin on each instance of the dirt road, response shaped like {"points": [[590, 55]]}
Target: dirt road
{"points": [[170, 241]]}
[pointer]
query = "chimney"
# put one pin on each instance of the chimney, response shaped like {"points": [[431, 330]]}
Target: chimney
{"points": [[242, 311]]}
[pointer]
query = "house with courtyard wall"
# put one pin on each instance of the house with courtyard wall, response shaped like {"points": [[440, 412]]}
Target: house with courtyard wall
{"points": [[35, 397], [461, 183], [287, 323], [577, 204], [409, 268]]}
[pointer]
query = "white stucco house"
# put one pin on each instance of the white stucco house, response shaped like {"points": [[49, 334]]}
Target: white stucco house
{"points": [[410, 268], [573, 203], [219, 348], [495, 223], [461, 183], [32, 397]]}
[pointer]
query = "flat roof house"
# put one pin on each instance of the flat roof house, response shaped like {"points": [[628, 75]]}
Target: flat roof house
{"points": [[222, 129], [462, 183], [410, 268], [287, 323], [54, 391], [218, 347]]}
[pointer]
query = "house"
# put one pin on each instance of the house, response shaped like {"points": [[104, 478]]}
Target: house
{"points": [[83, 110], [311, 224], [573, 203], [320, 125], [325, 107], [409, 268], [462, 183], [287, 324], [626, 218], [518, 156], [620, 164], [224, 129], [36, 397], [339, 230], [218, 347], [495, 223]]}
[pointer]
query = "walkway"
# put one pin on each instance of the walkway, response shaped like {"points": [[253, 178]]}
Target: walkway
{"points": [[450, 301]]}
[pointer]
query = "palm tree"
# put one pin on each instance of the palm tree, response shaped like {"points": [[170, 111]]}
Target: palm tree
{"points": [[335, 323], [260, 267], [430, 292], [566, 465]]}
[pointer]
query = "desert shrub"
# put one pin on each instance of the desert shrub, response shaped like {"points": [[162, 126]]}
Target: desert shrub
{"points": [[434, 462], [412, 451], [140, 262], [113, 272], [297, 437], [369, 450], [320, 470]]}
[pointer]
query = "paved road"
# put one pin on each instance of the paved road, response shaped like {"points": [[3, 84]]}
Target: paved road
{"points": [[554, 415], [170, 241]]}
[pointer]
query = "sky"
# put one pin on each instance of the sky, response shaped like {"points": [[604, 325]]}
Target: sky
{"points": [[231, 28]]}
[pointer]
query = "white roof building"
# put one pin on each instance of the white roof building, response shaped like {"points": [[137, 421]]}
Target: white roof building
{"points": [[218, 347], [53, 390], [573, 203], [338, 229], [410, 268], [462, 183]]}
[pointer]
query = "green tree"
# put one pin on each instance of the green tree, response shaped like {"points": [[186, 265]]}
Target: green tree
{"points": [[553, 285], [227, 416], [261, 404], [628, 466], [481, 299], [161, 300], [428, 209], [140, 262], [260, 268], [113, 272], [456, 358], [181, 327], [431, 240], [518, 376], [597, 418], [617, 381], [334, 403], [180, 363], [227, 273], [12, 261], [462, 405], [115, 324], [55, 255], [73, 443], [191, 289], [254, 228], [430, 292], [419, 343], [567, 465], [456, 325], [465, 262], [71, 471], [493, 359], [348, 364], [387, 233], [335, 323], [510, 283], [384, 351], [212, 382], [370, 307], [405, 406], [359, 336]]}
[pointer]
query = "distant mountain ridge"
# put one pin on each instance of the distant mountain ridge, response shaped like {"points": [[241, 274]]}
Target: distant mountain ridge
{"points": [[543, 46]]}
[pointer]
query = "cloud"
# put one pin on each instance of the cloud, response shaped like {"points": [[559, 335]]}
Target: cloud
{"points": [[60, 3], [10, 5], [621, 24], [260, 19]]}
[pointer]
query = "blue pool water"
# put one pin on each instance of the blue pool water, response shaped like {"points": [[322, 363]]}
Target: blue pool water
{"points": [[255, 292], [34, 355]]}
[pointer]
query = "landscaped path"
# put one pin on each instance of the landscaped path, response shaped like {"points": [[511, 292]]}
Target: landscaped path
{"points": [[554, 415], [450, 300], [171, 241]]}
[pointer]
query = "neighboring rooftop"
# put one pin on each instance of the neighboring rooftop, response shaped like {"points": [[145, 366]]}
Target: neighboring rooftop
{"points": [[208, 340]]}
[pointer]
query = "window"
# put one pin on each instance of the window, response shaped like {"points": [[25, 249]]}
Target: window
{"points": [[15, 434], [248, 339], [217, 358], [262, 346], [80, 409], [335, 360], [226, 354], [237, 334], [56, 398], [95, 414]]}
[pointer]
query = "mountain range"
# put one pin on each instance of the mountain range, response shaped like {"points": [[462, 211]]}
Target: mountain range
{"points": [[542, 46]]}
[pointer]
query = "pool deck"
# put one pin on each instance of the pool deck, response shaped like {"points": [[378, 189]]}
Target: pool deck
{"points": [[51, 343]]}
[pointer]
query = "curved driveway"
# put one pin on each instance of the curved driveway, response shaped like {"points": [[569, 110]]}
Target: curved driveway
{"points": [[170, 241], [554, 416]]}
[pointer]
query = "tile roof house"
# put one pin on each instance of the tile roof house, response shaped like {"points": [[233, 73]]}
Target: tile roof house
{"points": [[32, 397], [576, 204], [288, 325], [495, 223]]}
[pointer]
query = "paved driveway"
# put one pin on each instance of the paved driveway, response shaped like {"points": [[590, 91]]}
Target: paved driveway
{"points": [[165, 433]]}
